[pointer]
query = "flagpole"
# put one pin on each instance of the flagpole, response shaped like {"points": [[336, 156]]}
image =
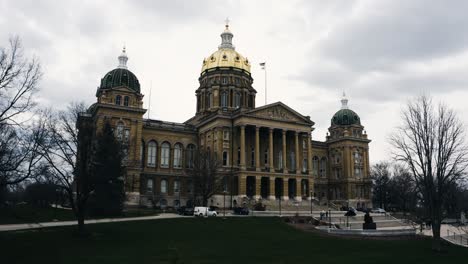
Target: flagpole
{"points": [[149, 103]]}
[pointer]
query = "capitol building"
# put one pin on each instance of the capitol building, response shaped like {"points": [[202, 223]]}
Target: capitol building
{"points": [[267, 153]]}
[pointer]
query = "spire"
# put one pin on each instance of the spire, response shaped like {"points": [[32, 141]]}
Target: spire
{"points": [[344, 101], [226, 37], [123, 59]]}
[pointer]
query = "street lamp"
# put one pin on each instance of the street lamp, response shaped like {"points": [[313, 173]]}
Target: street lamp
{"points": [[311, 203], [224, 204]]}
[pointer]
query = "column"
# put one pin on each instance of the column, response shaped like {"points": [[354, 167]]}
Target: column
{"points": [[258, 186], [257, 148], [298, 190], [242, 148], [285, 189], [271, 194], [309, 154], [242, 187], [271, 150], [298, 163], [285, 168]]}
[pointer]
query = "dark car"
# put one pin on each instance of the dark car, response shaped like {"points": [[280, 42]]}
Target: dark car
{"points": [[185, 210], [241, 210], [351, 212]]}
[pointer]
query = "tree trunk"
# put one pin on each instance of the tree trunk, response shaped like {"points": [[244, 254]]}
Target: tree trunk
{"points": [[436, 241]]}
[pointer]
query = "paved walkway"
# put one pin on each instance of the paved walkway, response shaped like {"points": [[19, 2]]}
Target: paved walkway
{"points": [[14, 227]]}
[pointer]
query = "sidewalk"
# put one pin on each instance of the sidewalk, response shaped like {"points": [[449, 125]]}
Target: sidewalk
{"points": [[14, 227]]}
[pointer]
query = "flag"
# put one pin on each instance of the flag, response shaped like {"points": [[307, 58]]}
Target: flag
{"points": [[262, 64]]}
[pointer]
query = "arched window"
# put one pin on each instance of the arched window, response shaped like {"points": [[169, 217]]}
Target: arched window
{"points": [[149, 185], [118, 100], [323, 167], [163, 186], [225, 158], [126, 100], [176, 186], [165, 154], [120, 131], [152, 150], [190, 155], [223, 99], [315, 166], [177, 156]]}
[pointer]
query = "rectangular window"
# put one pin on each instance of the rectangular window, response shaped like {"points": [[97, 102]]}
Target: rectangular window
{"points": [[149, 185], [225, 158], [226, 135], [176, 186], [126, 134]]}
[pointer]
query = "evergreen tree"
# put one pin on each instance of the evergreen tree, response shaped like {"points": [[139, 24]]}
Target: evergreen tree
{"points": [[108, 174]]}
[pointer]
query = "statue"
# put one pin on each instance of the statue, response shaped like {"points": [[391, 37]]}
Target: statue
{"points": [[368, 222]]}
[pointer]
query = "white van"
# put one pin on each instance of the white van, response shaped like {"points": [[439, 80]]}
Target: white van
{"points": [[204, 211]]}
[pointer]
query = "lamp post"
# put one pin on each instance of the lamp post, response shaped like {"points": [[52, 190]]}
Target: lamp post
{"points": [[311, 203], [224, 204], [279, 202]]}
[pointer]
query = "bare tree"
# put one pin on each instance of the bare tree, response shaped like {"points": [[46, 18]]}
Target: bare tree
{"points": [[380, 174], [206, 175], [431, 142], [19, 77], [60, 150]]}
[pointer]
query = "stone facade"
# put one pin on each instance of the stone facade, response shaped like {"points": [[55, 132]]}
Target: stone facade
{"points": [[266, 152]]}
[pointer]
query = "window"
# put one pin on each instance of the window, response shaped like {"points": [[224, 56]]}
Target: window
{"points": [[357, 157], [165, 154], [292, 160], [225, 158], [177, 156], [176, 186], [315, 166], [323, 167], [149, 185], [152, 150], [126, 100], [190, 155], [118, 100], [238, 156], [337, 158], [266, 156], [190, 186], [358, 172], [224, 80], [126, 134], [304, 144], [226, 135], [120, 131], [210, 102], [237, 100], [280, 159], [223, 99], [163, 186], [252, 157], [304, 165]]}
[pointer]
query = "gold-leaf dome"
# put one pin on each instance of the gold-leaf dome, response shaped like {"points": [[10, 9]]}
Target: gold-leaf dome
{"points": [[226, 55]]}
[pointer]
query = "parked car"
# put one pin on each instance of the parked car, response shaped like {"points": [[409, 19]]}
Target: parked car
{"points": [[378, 211], [184, 210], [204, 211], [241, 210]]}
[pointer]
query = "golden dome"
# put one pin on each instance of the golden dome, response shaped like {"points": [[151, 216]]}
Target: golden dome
{"points": [[226, 55]]}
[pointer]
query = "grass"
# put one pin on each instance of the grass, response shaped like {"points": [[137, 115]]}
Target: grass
{"points": [[32, 214], [214, 240]]}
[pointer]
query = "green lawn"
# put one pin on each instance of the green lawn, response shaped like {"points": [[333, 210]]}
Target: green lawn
{"points": [[189, 240], [31, 214]]}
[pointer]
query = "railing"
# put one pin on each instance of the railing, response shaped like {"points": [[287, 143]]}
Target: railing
{"points": [[456, 238]]}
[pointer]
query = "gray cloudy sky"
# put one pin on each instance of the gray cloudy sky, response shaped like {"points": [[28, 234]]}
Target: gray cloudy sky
{"points": [[380, 52]]}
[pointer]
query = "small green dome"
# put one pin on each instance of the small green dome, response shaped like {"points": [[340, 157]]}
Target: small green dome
{"points": [[120, 77], [345, 117]]}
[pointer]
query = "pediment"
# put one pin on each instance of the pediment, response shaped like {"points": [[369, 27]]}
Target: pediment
{"points": [[278, 111]]}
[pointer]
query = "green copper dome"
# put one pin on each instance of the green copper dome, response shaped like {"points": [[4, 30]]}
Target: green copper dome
{"points": [[120, 77], [345, 117]]}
